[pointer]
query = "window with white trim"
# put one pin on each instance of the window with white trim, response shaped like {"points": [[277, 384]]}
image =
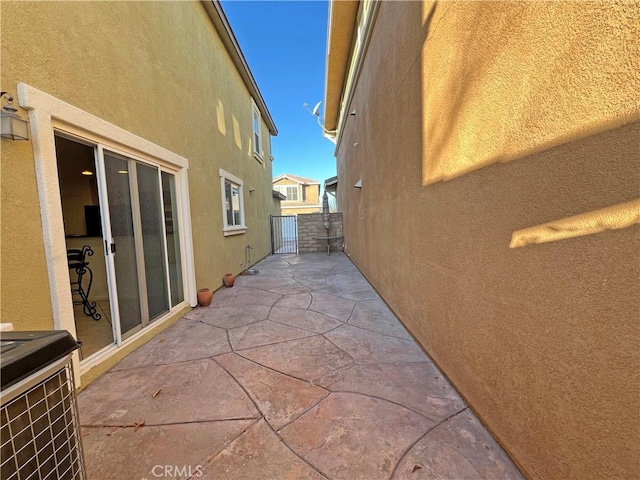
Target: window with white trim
{"points": [[289, 191], [232, 196], [257, 131]]}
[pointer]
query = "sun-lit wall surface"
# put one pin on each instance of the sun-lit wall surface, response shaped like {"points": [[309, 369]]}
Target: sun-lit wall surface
{"points": [[158, 70], [479, 127], [570, 74]]}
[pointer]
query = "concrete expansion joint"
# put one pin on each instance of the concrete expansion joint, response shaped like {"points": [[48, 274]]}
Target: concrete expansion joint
{"points": [[301, 458], [426, 434], [142, 423]]}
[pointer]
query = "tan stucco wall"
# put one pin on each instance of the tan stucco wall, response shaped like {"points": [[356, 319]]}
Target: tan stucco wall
{"points": [[24, 288], [543, 340], [158, 70], [312, 194], [276, 208]]}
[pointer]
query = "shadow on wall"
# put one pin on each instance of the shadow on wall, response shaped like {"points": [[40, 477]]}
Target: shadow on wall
{"points": [[460, 137], [494, 108]]}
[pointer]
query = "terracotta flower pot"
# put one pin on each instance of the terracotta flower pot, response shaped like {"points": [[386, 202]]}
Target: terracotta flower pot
{"points": [[228, 280], [204, 297]]}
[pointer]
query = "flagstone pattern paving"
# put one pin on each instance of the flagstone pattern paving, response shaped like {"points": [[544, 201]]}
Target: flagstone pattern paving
{"points": [[299, 372]]}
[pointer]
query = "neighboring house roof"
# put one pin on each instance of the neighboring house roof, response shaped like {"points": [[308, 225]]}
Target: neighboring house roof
{"points": [[221, 24], [277, 194], [330, 182], [296, 178]]}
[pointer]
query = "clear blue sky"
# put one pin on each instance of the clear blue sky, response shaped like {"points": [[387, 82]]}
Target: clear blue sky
{"points": [[285, 43]]}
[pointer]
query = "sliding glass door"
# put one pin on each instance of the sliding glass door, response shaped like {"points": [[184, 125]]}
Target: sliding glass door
{"points": [[122, 244], [142, 241], [125, 210], [153, 239]]}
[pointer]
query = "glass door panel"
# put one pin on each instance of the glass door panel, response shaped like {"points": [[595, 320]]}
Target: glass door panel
{"points": [[151, 219], [122, 233], [173, 237]]}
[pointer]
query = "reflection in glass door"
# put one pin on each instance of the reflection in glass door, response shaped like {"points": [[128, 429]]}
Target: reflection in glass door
{"points": [[152, 239], [123, 242]]}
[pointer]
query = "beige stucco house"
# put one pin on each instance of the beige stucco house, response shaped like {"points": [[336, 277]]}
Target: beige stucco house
{"points": [[302, 194], [149, 145], [488, 162]]}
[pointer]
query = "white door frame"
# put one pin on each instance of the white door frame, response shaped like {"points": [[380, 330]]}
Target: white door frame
{"points": [[46, 113]]}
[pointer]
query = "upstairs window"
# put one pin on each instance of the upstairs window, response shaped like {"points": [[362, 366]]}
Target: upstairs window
{"points": [[292, 193], [257, 132], [289, 191]]}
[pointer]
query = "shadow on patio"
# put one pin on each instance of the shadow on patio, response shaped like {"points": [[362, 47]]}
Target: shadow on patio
{"points": [[298, 372]]}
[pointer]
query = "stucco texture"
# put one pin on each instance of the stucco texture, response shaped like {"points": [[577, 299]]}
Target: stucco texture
{"points": [[158, 70], [529, 111], [24, 287]]}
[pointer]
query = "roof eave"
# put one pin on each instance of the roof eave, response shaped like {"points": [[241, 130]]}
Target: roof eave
{"points": [[329, 182], [294, 178], [221, 24], [340, 31]]}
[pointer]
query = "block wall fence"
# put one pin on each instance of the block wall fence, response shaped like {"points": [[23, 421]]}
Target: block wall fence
{"points": [[310, 226]]}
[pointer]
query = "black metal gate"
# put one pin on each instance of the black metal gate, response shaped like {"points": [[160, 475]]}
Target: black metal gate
{"points": [[284, 234]]}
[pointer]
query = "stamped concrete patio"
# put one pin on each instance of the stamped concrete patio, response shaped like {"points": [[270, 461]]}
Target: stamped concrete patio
{"points": [[300, 372]]}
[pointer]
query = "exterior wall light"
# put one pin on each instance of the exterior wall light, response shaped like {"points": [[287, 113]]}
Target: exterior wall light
{"points": [[358, 184], [13, 125]]}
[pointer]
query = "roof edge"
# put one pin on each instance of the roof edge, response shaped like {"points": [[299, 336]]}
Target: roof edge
{"points": [[295, 178], [340, 30], [222, 26], [331, 181]]}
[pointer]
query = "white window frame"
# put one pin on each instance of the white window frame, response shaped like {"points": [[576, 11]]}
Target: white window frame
{"points": [[283, 190], [297, 189], [294, 187], [269, 140], [256, 128], [231, 229], [48, 114]]}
